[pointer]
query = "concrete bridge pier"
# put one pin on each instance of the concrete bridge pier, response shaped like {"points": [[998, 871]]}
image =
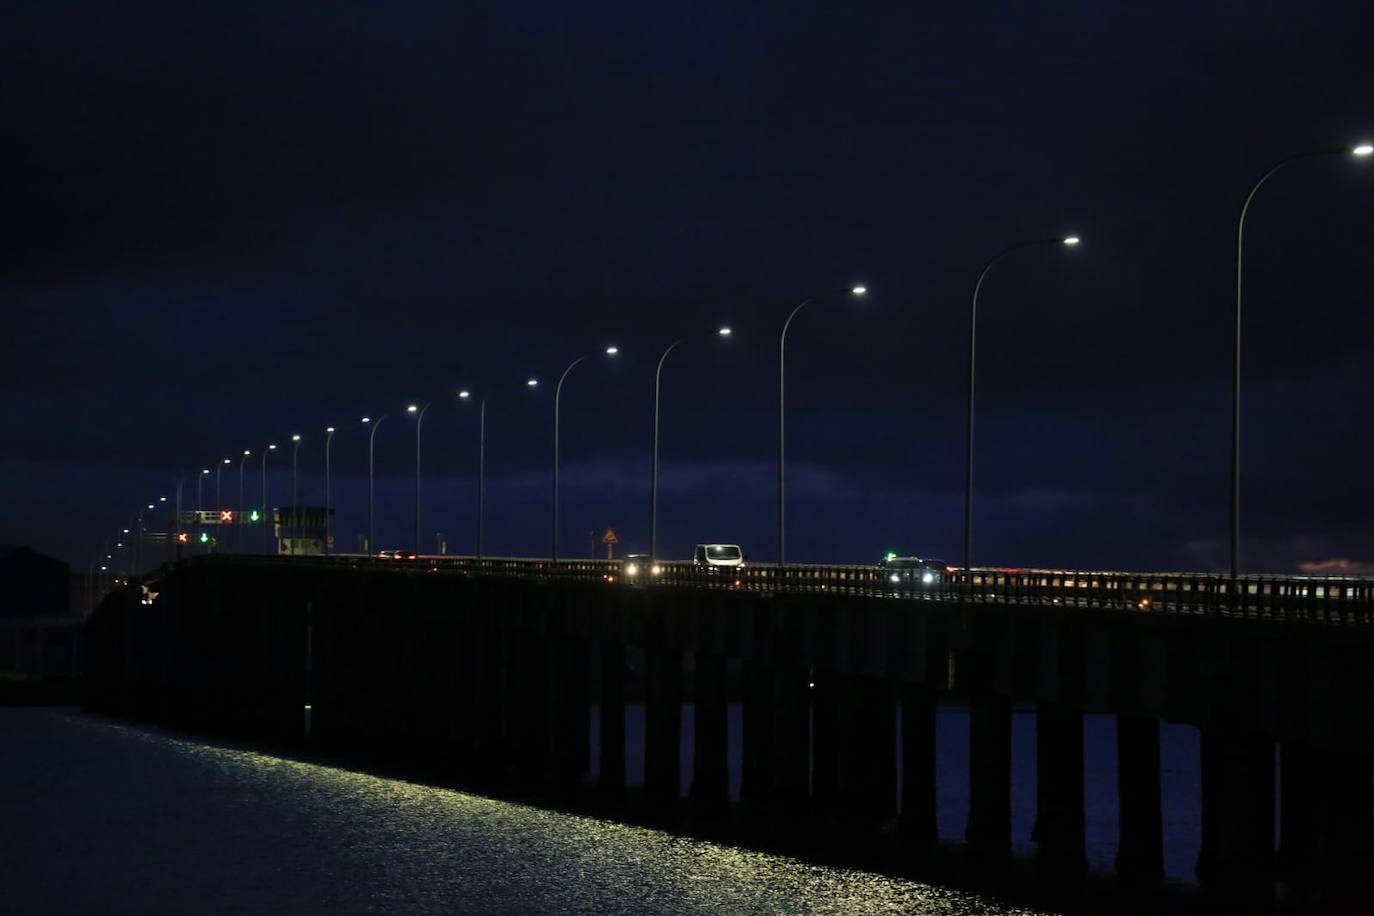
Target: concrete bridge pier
{"points": [[917, 822], [1059, 830], [569, 705], [611, 719], [1237, 853], [662, 724], [710, 766], [1140, 822], [854, 749], [989, 796]]}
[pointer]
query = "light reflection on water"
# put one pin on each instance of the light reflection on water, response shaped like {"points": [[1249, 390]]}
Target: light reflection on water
{"points": [[101, 817]]}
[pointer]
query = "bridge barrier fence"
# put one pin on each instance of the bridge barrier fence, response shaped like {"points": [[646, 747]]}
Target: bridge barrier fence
{"points": [[1344, 600]]}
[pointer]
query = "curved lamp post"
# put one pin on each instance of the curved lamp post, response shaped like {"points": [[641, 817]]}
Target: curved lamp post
{"points": [[782, 414], [200, 492], [238, 519], [271, 447], [219, 503], [482, 461], [295, 498], [557, 399], [1363, 150], [653, 467], [419, 419], [328, 435], [371, 489], [1066, 241]]}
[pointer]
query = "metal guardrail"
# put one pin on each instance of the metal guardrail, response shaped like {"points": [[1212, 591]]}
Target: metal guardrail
{"points": [[1347, 600]]}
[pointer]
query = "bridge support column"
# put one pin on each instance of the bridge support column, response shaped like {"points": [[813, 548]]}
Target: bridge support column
{"points": [[1237, 811], [789, 785], [1140, 844], [611, 718], [569, 729], [989, 791], [1058, 829], [855, 748], [917, 824], [662, 725], [1300, 813], [757, 682], [710, 768], [1347, 827]]}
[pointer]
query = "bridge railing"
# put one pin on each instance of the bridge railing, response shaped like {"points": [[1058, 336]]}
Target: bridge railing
{"points": [[1348, 600]]}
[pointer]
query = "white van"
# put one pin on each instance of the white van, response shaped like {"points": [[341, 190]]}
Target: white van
{"points": [[716, 556]]}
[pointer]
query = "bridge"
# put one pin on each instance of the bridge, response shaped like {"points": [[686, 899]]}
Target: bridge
{"points": [[491, 668]]}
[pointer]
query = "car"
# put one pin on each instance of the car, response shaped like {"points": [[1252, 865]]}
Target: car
{"points": [[913, 572], [396, 555], [715, 557], [639, 567]]}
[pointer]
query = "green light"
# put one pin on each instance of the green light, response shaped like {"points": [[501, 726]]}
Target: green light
{"points": [[204, 537], [891, 556], [253, 516]]}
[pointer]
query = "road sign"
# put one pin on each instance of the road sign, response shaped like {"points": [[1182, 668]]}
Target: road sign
{"points": [[610, 537]]}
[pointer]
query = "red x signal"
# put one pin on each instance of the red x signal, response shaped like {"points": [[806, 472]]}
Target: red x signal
{"points": [[182, 538], [226, 515]]}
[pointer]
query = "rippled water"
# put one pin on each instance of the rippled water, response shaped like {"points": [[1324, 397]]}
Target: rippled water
{"points": [[100, 818]]}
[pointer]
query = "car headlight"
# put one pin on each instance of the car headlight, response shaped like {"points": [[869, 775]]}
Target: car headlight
{"points": [[928, 578], [656, 570], [632, 569], [894, 578]]}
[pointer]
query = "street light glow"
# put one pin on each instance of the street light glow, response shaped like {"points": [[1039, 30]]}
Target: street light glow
{"points": [[205, 470], [294, 438], [246, 453], [367, 419], [1071, 240], [226, 461], [162, 499], [859, 290], [272, 448], [1364, 149], [532, 383], [412, 408], [465, 394], [724, 332], [329, 429], [612, 351]]}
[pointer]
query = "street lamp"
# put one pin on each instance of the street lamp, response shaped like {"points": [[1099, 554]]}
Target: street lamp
{"points": [[1361, 151], [1068, 241], [271, 447], [782, 401], [238, 521], [328, 436], [295, 499], [653, 472], [371, 491], [219, 503], [557, 399], [419, 420], [200, 505], [482, 460]]}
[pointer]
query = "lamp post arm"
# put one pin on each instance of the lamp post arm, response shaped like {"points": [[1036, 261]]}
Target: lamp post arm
{"points": [[557, 401], [653, 471]]}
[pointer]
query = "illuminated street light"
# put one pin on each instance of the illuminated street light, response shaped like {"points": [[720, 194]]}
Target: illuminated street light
{"points": [[262, 539], [1068, 241], [1364, 149], [782, 416], [653, 467], [482, 463], [371, 488], [295, 498], [419, 420], [464, 395], [557, 401], [328, 436]]}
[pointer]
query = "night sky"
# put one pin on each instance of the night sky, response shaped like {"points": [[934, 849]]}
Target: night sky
{"points": [[228, 224]]}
